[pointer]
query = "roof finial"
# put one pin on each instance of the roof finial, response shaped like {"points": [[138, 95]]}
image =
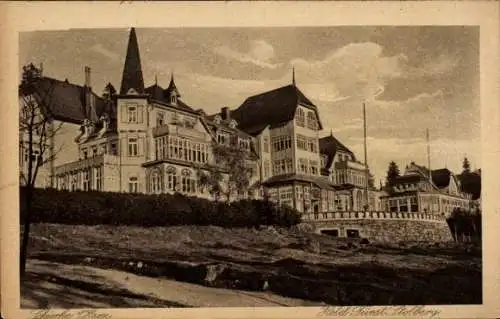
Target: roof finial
{"points": [[156, 79], [331, 132], [293, 76]]}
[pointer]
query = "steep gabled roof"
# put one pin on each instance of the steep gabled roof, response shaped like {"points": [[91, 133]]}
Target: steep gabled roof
{"points": [[320, 181], [132, 70], [441, 177], [179, 106], [272, 108], [410, 178], [470, 183], [64, 101], [329, 145], [156, 92]]}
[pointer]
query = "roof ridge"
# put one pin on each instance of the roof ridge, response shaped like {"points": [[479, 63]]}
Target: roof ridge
{"points": [[269, 91]]}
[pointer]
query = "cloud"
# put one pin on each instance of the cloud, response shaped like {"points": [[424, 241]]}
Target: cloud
{"points": [[441, 65], [349, 125], [212, 92], [355, 70], [99, 48], [362, 71], [261, 54], [420, 102]]}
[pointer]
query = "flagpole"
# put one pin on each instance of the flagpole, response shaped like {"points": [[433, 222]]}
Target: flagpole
{"points": [[428, 155], [366, 157]]}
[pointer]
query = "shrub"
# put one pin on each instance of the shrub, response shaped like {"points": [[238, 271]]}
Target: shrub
{"points": [[95, 208]]}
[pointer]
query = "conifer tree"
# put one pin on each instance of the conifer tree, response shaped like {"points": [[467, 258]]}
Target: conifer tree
{"points": [[392, 174], [466, 165]]}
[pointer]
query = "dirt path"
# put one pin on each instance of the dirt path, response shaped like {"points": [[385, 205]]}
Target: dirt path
{"points": [[55, 285]]}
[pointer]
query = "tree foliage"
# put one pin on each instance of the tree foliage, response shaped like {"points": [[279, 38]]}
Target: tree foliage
{"points": [[371, 180], [392, 174], [232, 163], [466, 165], [97, 208], [465, 225]]}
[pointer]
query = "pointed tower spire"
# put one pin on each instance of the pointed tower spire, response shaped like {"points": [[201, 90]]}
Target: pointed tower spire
{"points": [[132, 70], [293, 76]]}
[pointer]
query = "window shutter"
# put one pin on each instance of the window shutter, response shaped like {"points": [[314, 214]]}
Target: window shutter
{"points": [[140, 114], [140, 146], [124, 111]]}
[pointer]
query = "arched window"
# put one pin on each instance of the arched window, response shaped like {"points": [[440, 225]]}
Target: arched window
{"points": [[155, 182], [188, 181], [171, 178]]}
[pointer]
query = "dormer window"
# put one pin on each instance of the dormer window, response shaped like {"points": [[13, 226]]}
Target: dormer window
{"points": [[222, 138], [244, 144], [233, 124], [132, 92], [173, 99], [217, 119]]}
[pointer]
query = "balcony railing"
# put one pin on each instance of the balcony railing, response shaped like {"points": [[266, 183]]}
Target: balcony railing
{"points": [[371, 215], [177, 130], [87, 162]]}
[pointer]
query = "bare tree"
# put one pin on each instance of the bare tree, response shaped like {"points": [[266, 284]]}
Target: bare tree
{"points": [[36, 133]]}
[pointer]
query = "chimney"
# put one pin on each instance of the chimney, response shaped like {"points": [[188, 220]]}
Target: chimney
{"points": [[88, 82], [86, 128], [225, 113], [105, 123], [89, 97]]}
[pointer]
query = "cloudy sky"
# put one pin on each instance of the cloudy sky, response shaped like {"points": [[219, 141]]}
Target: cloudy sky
{"points": [[411, 78]]}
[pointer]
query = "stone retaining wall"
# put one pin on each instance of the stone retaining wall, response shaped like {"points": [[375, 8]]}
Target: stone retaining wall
{"points": [[389, 230]]}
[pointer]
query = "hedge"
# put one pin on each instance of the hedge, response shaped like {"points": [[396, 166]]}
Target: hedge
{"points": [[97, 208], [464, 224]]}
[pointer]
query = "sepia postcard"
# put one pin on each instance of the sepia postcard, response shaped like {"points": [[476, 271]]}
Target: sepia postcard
{"points": [[250, 159]]}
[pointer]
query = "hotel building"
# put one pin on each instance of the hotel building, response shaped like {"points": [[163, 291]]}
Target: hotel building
{"points": [[147, 140]]}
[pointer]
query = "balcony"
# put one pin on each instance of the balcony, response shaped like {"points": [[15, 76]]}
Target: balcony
{"points": [[87, 162], [179, 130], [160, 130], [345, 165], [369, 215]]}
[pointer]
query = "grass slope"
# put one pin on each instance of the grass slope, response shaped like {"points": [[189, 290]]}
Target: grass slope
{"points": [[307, 266]]}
